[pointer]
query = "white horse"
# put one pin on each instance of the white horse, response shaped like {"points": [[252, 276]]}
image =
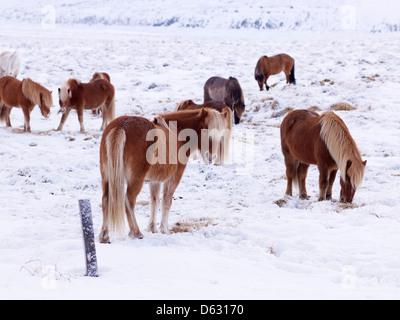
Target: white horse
{"points": [[10, 64]]}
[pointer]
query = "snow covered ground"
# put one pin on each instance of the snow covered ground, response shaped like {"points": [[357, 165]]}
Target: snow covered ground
{"points": [[233, 235]]}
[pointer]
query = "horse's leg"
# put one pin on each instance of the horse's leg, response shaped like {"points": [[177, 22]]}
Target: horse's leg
{"points": [[79, 111], [302, 175], [155, 199], [27, 118], [7, 111], [168, 192], [132, 191], [104, 110], [265, 81], [287, 74], [291, 170], [63, 118], [331, 181], [323, 183], [104, 234]]}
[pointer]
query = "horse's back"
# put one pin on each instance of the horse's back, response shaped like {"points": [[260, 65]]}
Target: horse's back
{"points": [[214, 89], [96, 92], [300, 135]]}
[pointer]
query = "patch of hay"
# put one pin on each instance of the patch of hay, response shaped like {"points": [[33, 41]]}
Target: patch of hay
{"points": [[314, 108], [343, 106], [191, 225]]}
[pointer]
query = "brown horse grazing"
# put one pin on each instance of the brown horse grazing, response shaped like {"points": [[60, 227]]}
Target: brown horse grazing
{"points": [[223, 151], [100, 75], [324, 140], [77, 95], [227, 91], [24, 94], [128, 153], [267, 66]]}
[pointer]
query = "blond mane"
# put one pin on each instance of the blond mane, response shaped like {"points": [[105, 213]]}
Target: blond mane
{"points": [[34, 90], [342, 147]]}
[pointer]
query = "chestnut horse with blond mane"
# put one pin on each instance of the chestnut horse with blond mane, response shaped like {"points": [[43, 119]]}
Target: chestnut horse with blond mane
{"points": [[324, 140], [77, 95], [129, 154], [24, 94], [223, 151], [268, 66]]}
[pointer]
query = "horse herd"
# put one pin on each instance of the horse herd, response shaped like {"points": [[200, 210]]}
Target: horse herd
{"points": [[134, 149]]}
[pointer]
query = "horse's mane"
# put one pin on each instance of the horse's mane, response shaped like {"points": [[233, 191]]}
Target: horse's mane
{"points": [[342, 147], [64, 88], [214, 119], [32, 90], [183, 104]]}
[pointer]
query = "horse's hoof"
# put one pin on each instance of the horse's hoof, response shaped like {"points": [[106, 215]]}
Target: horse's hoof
{"points": [[104, 237], [164, 230], [137, 235], [152, 228]]}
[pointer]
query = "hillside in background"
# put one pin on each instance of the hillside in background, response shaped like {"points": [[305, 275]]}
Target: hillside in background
{"points": [[310, 15]]}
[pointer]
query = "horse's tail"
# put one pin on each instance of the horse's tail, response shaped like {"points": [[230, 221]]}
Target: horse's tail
{"points": [[115, 173], [292, 79], [36, 93], [13, 65], [258, 74]]}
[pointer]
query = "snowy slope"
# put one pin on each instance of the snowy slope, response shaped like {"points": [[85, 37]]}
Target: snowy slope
{"points": [[285, 15], [233, 235]]}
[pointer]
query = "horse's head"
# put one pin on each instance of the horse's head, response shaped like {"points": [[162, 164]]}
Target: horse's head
{"points": [[66, 92], [351, 182], [213, 125], [46, 102], [236, 98], [238, 109]]}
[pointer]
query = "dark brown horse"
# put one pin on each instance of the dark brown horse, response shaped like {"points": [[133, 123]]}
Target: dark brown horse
{"points": [[223, 152], [268, 66], [77, 95], [129, 154], [324, 140], [227, 91], [24, 94]]}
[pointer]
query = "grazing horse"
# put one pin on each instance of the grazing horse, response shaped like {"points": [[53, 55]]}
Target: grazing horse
{"points": [[99, 75], [24, 94], [307, 138], [129, 154], [267, 66], [10, 64], [77, 95], [223, 152], [227, 91]]}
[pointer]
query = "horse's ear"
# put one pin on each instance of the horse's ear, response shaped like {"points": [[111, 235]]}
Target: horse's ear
{"points": [[365, 163]]}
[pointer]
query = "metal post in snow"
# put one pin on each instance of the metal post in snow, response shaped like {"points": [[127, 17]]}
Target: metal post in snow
{"points": [[88, 238]]}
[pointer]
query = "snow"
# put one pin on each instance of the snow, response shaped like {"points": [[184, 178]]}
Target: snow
{"points": [[233, 234]]}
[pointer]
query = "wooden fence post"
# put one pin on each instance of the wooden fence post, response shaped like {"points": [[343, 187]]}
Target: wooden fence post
{"points": [[88, 237]]}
